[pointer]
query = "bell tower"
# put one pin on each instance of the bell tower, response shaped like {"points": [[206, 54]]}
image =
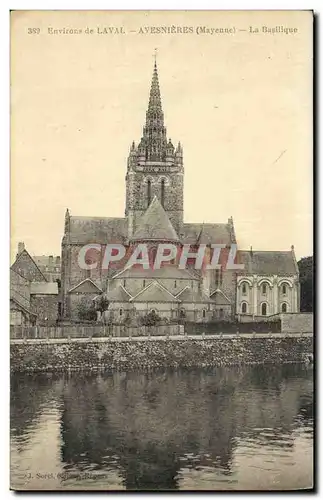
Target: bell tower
{"points": [[155, 167]]}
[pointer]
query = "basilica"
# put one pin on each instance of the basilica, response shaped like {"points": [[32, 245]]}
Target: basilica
{"points": [[265, 283]]}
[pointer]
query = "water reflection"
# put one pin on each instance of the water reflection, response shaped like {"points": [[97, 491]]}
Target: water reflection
{"points": [[170, 429]]}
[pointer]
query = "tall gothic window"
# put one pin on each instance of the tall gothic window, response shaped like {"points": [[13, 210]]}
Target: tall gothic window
{"points": [[162, 197], [148, 192]]}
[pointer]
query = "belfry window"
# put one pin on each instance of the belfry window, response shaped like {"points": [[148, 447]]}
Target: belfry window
{"points": [[244, 289], [284, 289], [162, 192], [264, 289], [148, 192]]}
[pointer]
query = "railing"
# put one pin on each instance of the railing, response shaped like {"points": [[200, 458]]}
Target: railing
{"points": [[81, 331]]}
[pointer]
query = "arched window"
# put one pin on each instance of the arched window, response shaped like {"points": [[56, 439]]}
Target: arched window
{"points": [[182, 313], [120, 312], [148, 192], [204, 313], [221, 314], [244, 289], [284, 307], [144, 283], [244, 308], [284, 289], [162, 192], [175, 284], [264, 289], [264, 309], [124, 283]]}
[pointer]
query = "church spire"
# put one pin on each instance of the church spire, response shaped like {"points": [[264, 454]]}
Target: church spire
{"points": [[154, 105], [153, 144]]}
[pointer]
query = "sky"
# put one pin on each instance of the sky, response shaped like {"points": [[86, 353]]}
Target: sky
{"points": [[239, 102]]}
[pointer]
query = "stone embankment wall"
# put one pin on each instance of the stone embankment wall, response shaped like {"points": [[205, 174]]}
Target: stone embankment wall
{"points": [[153, 352]]}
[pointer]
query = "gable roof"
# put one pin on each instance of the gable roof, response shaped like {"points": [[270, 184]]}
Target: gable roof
{"points": [[219, 297], [154, 292], [155, 224], [93, 286], [102, 230], [118, 294], [268, 262], [206, 233], [190, 295], [21, 307], [165, 272], [27, 267]]}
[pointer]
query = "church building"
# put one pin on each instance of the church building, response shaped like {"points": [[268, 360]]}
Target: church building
{"points": [[268, 284]]}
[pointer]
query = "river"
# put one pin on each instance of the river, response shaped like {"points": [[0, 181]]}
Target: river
{"points": [[228, 428]]}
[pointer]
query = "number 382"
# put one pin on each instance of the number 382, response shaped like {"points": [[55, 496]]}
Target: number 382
{"points": [[33, 31]]}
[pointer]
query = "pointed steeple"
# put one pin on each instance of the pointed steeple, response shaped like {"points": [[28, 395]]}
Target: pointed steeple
{"points": [[153, 144], [155, 105]]}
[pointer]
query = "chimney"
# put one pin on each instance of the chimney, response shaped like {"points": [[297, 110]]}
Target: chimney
{"points": [[251, 251], [50, 260], [21, 247], [58, 260]]}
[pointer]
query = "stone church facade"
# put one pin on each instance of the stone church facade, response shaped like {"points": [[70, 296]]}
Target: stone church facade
{"points": [[154, 214]]}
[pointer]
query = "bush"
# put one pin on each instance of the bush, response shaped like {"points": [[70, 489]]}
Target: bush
{"points": [[86, 312], [151, 319]]}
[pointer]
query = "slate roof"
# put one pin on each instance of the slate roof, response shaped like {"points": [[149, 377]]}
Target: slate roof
{"points": [[155, 224], [118, 294], [206, 233], [190, 295], [165, 272], [43, 288], [219, 297], [268, 262], [19, 265], [84, 282], [97, 229], [154, 292]]}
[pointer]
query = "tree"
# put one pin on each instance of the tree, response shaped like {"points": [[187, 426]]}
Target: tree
{"points": [[86, 312], [101, 305], [305, 266]]}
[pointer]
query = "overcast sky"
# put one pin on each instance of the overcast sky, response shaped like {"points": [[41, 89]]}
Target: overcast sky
{"points": [[240, 103]]}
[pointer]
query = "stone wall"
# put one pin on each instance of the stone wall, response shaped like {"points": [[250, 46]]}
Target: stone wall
{"points": [[128, 354], [296, 322]]}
